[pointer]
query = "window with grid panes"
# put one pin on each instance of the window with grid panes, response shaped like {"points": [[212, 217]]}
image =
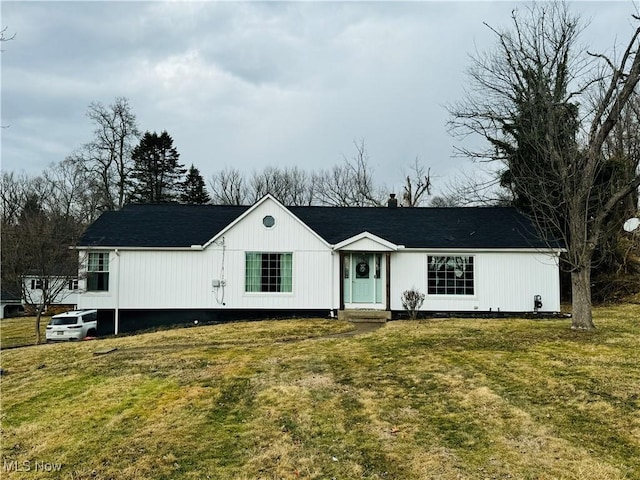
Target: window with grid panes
{"points": [[268, 272], [98, 272], [450, 275]]}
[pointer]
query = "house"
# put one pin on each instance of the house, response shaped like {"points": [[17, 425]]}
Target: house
{"points": [[62, 292], [149, 264], [10, 303]]}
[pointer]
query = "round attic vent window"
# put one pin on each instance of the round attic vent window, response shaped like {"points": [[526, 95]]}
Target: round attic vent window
{"points": [[268, 221]]}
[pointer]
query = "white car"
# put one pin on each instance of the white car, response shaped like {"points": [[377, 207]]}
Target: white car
{"points": [[74, 325]]}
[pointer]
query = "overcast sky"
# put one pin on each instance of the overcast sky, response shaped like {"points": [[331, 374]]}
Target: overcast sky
{"points": [[256, 84]]}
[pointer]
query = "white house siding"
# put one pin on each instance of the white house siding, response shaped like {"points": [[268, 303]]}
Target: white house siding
{"points": [[503, 281], [99, 300], [509, 281], [167, 279], [158, 279], [182, 279], [66, 296], [312, 261]]}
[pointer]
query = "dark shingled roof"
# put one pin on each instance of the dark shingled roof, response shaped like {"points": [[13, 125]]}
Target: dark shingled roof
{"points": [[174, 225], [8, 294], [481, 227], [160, 225]]}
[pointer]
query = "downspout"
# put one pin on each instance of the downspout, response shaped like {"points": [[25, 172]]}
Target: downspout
{"points": [[388, 280], [341, 281], [117, 292], [332, 295]]}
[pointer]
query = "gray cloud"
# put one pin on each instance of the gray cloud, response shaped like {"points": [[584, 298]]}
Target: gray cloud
{"points": [[252, 84]]}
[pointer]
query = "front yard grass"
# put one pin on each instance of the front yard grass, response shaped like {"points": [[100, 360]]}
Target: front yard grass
{"points": [[21, 331], [430, 399]]}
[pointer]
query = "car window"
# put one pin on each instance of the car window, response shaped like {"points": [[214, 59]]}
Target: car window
{"points": [[64, 321], [90, 317]]}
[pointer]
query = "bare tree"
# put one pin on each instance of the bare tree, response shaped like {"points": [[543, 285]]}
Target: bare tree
{"points": [[303, 187], [228, 187], [525, 100], [108, 156], [417, 184], [443, 201], [35, 244], [270, 180], [70, 191], [621, 150], [350, 184], [4, 38], [473, 189], [617, 259], [13, 190], [291, 186]]}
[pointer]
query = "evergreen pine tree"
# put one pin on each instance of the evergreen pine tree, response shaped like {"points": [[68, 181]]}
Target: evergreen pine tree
{"points": [[194, 190], [157, 175]]}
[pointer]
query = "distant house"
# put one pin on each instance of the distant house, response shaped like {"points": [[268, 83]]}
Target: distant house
{"points": [[149, 264], [66, 289], [10, 303]]}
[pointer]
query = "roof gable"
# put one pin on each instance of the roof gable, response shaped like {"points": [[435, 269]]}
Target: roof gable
{"points": [[365, 241], [268, 198]]}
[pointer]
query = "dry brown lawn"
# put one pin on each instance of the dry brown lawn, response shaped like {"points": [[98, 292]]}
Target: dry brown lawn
{"points": [[431, 399]]}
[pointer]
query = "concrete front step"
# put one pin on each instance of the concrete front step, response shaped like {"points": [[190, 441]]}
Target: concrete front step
{"points": [[364, 316]]}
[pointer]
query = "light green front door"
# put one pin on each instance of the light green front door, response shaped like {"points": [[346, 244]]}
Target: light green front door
{"points": [[363, 278]]}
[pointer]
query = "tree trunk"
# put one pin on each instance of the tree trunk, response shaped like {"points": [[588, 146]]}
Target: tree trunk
{"points": [[38, 316], [581, 317]]}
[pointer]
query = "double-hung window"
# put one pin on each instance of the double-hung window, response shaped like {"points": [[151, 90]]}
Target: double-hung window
{"points": [[98, 272], [450, 275], [268, 272]]}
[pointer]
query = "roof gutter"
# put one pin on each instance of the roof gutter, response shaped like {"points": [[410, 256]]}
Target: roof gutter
{"points": [[111, 247]]}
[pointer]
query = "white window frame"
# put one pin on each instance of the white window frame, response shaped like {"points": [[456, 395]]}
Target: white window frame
{"points": [[451, 275], [259, 281], [99, 269]]}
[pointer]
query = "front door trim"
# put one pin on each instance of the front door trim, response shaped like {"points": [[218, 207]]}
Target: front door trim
{"points": [[364, 280]]}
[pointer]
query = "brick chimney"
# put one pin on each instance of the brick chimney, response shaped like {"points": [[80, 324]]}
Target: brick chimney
{"points": [[393, 201]]}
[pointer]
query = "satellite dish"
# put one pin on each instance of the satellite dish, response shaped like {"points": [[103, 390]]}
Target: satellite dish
{"points": [[631, 224]]}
